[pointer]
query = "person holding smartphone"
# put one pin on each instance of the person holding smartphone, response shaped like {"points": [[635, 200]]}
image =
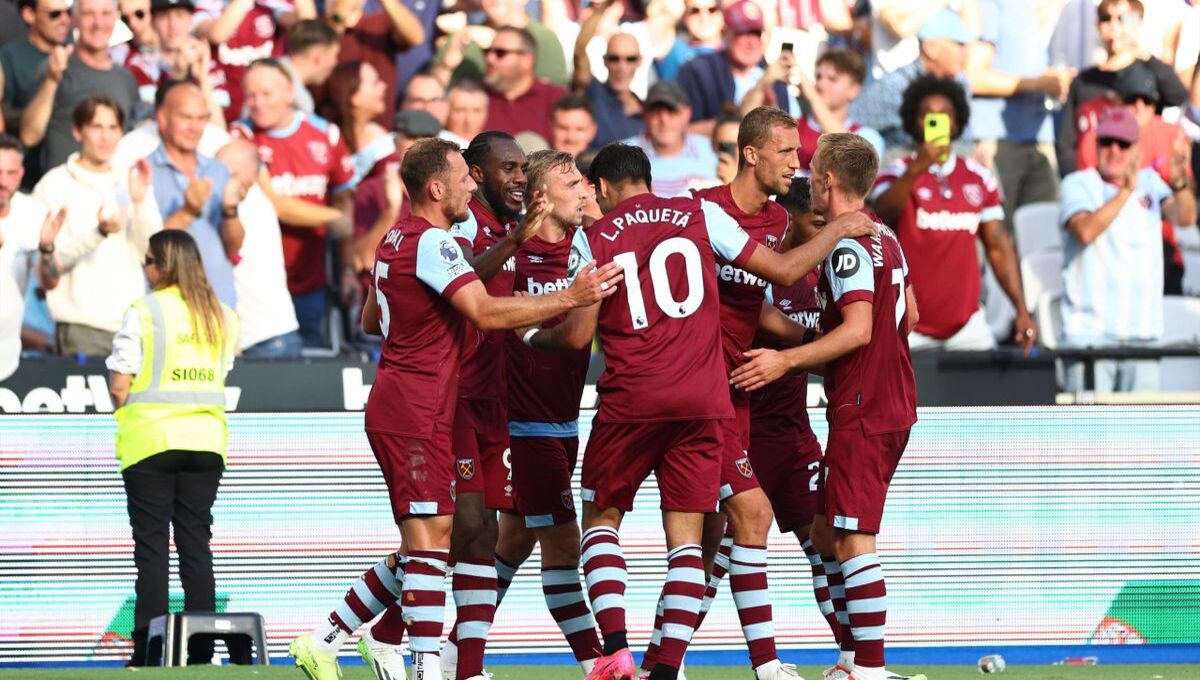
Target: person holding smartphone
{"points": [[939, 204]]}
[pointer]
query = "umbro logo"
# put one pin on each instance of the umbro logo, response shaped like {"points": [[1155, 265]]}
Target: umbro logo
{"points": [[535, 259], [785, 303]]}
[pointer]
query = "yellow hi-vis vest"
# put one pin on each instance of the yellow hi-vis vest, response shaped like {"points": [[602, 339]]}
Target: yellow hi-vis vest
{"points": [[177, 399]]}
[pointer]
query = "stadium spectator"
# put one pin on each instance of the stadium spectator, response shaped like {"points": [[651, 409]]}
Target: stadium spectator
{"points": [[136, 16], [177, 55], [572, 125], [895, 28], [840, 75], [379, 200], [1138, 91], [111, 213], [517, 99], [240, 31], [142, 140], [1112, 271], [353, 99], [376, 37], [25, 250], [940, 205], [651, 25], [463, 55], [468, 112], [424, 92], [679, 159], [313, 49], [703, 25], [72, 75], [24, 67], [1119, 27], [1011, 79], [724, 143], [193, 190], [710, 80], [307, 159], [269, 327], [171, 432], [615, 109], [942, 39], [1075, 42]]}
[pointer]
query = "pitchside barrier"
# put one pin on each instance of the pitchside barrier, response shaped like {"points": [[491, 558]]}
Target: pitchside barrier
{"points": [[1038, 532]]}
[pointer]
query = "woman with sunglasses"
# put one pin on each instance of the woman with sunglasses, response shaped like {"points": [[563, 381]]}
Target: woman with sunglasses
{"points": [[168, 369], [135, 14]]}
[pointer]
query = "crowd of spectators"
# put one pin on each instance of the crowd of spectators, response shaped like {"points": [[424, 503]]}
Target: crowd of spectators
{"points": [[272, 131]]}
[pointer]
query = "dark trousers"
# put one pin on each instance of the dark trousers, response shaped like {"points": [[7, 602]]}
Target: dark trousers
{"points": [[172, 489]]}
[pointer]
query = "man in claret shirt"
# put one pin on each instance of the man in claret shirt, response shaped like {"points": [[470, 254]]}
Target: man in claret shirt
{"points": [[243, 31], [544, 391], [307, 159], [663, 392], [767, 145], [941, 205], [869, 310], [424, 288]]}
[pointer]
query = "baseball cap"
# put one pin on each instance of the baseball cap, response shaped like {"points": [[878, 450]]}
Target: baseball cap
{"points": [[416, 123], [666, 93], [1117, 123], [743, 17], [163, 5], [1136, 80], [945, 25]]}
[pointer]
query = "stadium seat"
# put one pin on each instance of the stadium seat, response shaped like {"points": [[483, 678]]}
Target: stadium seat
{"points": [[997, 307], [1041, 272], [174, 630], [1047, 312], [1036, 228], [1181, 328]]}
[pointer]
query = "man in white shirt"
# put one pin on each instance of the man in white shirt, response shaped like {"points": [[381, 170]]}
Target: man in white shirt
{"points": [[268, 320], [20, 239]]}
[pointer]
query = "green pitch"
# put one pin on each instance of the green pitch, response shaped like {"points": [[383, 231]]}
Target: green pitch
{"points": [[572, 673]]}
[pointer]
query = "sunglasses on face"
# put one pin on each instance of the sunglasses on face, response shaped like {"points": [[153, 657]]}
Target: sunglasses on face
{"points": [[500, 52], [55, 13], [1108, 141], [138, 14], [149, 261], [618, 58], [693, 11], [1139, 100]]}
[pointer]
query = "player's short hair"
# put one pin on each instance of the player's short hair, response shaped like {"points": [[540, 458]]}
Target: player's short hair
{"points": [[539, 165], [1106, 6], [573, 102], [845, 62], [11, 143], [309, 33], [929, 85], [426, 159], [757, 126], [85, 111], [527, 40], [849, 158], [798, 197], [480, 148], [617, 163]]}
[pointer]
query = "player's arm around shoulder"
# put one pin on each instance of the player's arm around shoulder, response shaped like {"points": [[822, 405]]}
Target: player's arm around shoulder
{"points": [[504, 313], [577, 330], [788, 268]]}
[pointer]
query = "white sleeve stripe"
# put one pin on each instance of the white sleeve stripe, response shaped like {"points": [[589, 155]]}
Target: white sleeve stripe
{"points": [[727, 238]]}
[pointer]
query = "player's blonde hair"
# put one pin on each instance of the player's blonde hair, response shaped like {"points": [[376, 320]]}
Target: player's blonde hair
{"points": [[540, 164], [849, 158]]}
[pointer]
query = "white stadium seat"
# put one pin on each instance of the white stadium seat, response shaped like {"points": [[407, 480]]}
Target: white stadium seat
{"points": [[1041, 272], [1181, 328], [1036, 228]]}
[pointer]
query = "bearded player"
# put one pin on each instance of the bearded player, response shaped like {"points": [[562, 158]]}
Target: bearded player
{"points": [[869, 311], [664, 391]]}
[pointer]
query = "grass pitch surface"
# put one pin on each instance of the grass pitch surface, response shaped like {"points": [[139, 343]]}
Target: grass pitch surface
{"points": [[1166, 672]]}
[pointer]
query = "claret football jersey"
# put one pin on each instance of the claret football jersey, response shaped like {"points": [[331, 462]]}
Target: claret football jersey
{"points": [[661, 331]]}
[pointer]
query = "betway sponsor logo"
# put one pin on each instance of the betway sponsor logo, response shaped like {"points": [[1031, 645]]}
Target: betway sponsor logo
{"points": [[806, 319], [537, 288], [944, 220], [732, 274], [245, 55], [81, 394], [288, 184]]}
